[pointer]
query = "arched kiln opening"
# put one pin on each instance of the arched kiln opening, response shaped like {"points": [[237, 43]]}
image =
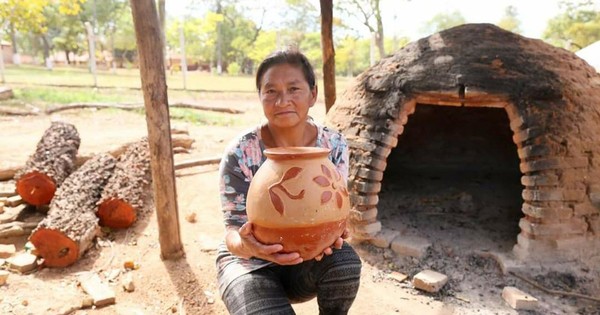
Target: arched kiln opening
{"points": [[550, 98], [454, 177]]}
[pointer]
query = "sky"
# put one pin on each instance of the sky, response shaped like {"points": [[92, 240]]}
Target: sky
{"points": [[406, 18]]}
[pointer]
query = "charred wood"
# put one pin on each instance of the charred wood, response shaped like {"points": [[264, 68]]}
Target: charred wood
{"points": [[52, 162], [71, 223], [124, 194]]}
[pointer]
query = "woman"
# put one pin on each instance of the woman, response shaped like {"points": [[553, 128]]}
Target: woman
{"points": [[256, 278]]}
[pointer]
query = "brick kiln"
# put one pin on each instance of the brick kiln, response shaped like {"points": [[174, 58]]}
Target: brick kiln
{"points": [[546, 99]]}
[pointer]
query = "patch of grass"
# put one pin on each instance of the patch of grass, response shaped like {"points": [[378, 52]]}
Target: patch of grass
{"points": [[203, 118], [42, 96]]}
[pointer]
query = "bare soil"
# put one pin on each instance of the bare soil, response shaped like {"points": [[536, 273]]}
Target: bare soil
{"points": [[445, 214]]}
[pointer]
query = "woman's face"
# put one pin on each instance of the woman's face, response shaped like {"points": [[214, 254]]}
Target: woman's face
{"points": [[286, 96]]}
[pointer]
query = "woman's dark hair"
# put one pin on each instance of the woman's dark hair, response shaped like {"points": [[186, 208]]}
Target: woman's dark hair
{"points": [[291, 57]]}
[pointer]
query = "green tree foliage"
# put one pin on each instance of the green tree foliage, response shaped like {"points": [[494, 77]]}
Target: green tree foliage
{"points": [[442, 21], [368, 13], [510, 20], [577, 27]]}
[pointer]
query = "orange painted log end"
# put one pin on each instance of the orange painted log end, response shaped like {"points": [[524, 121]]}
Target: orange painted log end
{"points": [[116, 213], [56, 248], [36, 188]]}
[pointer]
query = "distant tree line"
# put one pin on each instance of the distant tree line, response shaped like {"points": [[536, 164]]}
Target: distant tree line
{"points": [[230, 36]]}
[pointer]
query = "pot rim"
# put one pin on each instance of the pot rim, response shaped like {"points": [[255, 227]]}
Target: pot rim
{"points": [[288, 153]]}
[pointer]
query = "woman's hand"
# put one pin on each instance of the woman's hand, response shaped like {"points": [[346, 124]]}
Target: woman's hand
{"points": [[242, 243], [337, 245]]}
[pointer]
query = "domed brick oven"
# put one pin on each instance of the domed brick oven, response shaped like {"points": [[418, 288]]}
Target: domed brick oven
{"points": [[479, 134]]}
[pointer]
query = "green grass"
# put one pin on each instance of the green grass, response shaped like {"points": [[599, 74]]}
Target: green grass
{"points": [[203, 118], [43, 96], [63, 85], [130, 78]]}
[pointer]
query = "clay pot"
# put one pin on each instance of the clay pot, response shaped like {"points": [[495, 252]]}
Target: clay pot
{"points": [[297, 198]]}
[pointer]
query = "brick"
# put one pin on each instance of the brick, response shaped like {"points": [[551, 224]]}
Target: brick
{"points": [[384, 238], [528, 244], [364, 200], [365, 187], [397, 276], [381, 137], [7, 250], [575, 226], [540, 180], [553, 194], [527, 134], [361, 144], [369, 174], [13, 201], [22, 263], [1, 207], [3, 276], [429, 280], [533, 151], [410, 246], [363, 215], [370, 229], [518, 299], [553, 164], [556, 213], [378, 163], [516, 123], [512, 111], [100, 292], [542, 195]]}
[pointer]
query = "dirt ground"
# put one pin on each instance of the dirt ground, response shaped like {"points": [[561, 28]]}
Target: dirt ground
{"points": [[188, 285]]}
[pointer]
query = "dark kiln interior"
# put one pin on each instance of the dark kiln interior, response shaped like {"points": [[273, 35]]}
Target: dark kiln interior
{"points": [[454, 178]]}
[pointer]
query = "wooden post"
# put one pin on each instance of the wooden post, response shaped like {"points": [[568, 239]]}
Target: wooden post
{"points": [[183, 57], [328, 53], [154, 87]]}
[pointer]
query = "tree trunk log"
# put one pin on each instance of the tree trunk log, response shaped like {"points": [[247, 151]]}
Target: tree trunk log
{"points": [[52, 162], [71, 223], [328, 52], [154, 86], [123, 195]]}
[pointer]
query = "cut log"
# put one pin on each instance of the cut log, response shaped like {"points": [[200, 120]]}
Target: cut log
{"points": [[197, 162], [71, 223], [137, 106], [52, 162], [123, 196]]}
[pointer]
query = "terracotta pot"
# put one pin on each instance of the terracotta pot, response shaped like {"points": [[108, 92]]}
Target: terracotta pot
{"points": [[297, 198]]}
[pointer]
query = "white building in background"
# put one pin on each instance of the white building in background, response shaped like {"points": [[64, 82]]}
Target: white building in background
{"points": [[591, 54]]}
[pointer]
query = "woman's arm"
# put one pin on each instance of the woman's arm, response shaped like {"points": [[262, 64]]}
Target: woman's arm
{"points": [[242, 243]]}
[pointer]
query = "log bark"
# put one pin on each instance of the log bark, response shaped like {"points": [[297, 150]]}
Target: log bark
{"points": [[181, 143], [124, 194], [154, 86], [52, 162], [71, 223]]}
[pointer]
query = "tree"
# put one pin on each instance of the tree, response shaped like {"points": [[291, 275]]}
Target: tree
{"points": [[510, 21], [369, 14], [24, 16], [442, 21], [577, 27]]}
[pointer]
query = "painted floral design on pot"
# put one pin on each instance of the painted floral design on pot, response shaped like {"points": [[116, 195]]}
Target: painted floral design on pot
{"points": [[298, 199]]}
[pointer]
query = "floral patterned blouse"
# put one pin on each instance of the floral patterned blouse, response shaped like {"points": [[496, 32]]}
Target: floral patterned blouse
{"points": [[240, 162]]}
